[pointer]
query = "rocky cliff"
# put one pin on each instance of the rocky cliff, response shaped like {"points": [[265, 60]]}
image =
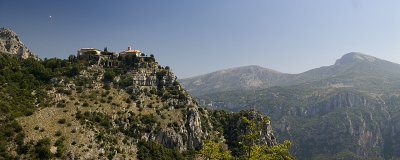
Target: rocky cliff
{"points": [[89, 111], [11, 43], [339, 123]]}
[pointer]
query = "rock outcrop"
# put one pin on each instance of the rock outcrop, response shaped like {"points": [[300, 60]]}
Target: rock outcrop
{"points": [[150, 76], [12, 44], [266, 135]]}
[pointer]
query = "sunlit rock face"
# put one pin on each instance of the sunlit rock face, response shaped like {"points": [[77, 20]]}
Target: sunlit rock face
{"points": [[10, 43]]}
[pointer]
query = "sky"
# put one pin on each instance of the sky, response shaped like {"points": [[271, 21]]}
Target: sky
{"points": [[195, 37]]}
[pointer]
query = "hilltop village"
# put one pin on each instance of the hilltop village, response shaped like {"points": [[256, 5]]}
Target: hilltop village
{"points": [[145, 67], [108, 59]]}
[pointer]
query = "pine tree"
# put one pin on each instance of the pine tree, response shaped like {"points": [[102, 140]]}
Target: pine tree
{"points": [[214, 151]]}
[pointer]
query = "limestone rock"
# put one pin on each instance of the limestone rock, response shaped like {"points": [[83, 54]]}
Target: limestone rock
{"points": [[11, 43]]}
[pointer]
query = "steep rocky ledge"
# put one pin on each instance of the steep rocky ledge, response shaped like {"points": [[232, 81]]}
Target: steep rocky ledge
{"points": [[11, 43]]}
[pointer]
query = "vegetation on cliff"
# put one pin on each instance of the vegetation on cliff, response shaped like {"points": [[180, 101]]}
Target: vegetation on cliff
{"points": [[72, 108], [248, 135]]}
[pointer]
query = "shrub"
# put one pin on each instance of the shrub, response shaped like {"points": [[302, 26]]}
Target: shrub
{"points": [[148, 119], [153, 150], [42, 149], [74, 71], [60, 147], [107, 87], [85, 104], [61, 121], [109, 76], [58, 133]]}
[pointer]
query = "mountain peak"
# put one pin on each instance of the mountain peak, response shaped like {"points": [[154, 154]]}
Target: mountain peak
{"points": [[354, 57], [11, 43], [251, 68], [8, 34]]}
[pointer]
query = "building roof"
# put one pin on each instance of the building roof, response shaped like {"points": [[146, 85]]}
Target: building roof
{"points": [[89, 49], [132, 51]]}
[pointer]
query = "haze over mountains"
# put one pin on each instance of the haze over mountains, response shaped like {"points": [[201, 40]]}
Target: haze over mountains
{"points": [[81, 108], [347, 71], [348, 110]]}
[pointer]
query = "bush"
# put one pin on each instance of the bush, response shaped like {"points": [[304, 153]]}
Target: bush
{"points": [[107, 87], [42, 149], [58, 133], [74, 71], [61, 121], [153, 150], [148, 119], [81, 81], [109, 76], [125, 82], [60, 146]]}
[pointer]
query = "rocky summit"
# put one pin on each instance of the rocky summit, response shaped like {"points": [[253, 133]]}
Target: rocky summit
{"points": [[11, 43], [240, 78]]}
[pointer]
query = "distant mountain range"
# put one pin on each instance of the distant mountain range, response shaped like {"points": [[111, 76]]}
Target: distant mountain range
{"points": [[349, 110], [247, 77], [350, 70]]}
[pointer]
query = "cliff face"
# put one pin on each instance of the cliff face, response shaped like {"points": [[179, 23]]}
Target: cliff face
{"points": [[143, 102], [266, 135], [155, 78], [11, 43], [338, 123]]}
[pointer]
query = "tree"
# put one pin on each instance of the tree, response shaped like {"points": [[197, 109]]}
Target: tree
{"points": [[42, 149], [212, 150], [109, 76], [256, 151], [248, 139], [152, 150], [71, 58], [74, 71]]}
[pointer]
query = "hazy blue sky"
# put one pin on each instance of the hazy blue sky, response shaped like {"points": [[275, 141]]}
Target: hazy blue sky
{"points": [[200, 36]]}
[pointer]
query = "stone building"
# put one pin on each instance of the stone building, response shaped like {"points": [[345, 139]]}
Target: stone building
{"points": [[131, 52], [88, 53]]}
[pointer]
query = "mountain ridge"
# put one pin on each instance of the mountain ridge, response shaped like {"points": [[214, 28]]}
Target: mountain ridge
{"points": [[348, 64], [245, 77], [348, 110]]}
